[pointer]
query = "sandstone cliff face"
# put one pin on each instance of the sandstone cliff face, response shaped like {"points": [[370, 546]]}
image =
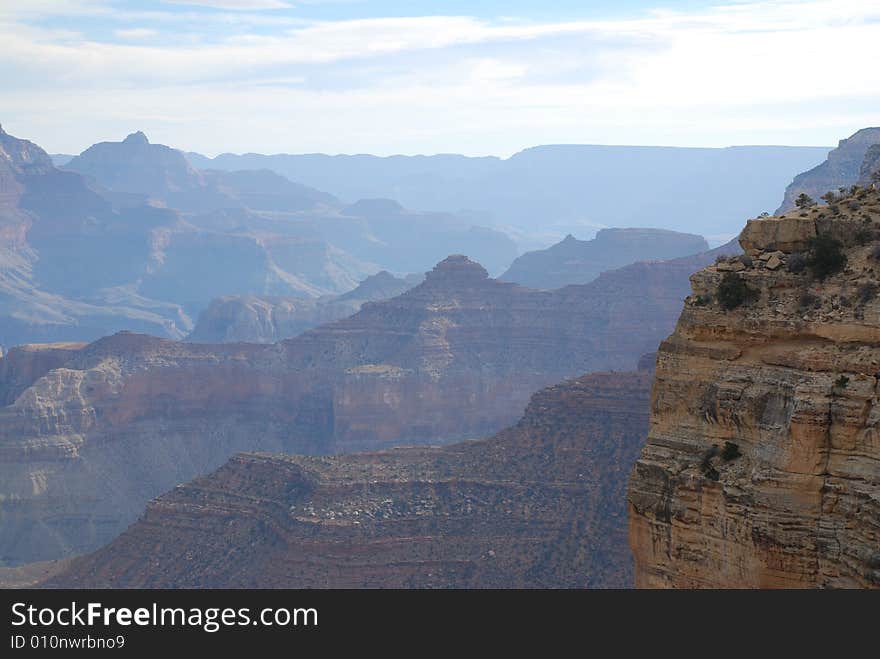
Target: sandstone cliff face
{"points": [[791, 379], [841, 168], [575, 261], [541, 504]]}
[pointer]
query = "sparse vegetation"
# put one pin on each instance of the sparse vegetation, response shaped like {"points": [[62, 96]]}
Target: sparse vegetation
{"points": [[702, 300], [722, 258], [746, 260], [867, 292], [829, 197], [808, 300], [733, 291], [825, 257], [841, 382], [804, 201], [796, 262], [863, 236], [709, 471], [764, 214], [730, 451]]}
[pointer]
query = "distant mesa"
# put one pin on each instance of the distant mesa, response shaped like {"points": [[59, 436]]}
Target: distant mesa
{"points": [[573, 261], [373, 207]]}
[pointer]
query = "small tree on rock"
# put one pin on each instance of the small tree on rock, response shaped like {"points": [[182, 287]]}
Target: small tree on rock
{"points": [[804, 201]]}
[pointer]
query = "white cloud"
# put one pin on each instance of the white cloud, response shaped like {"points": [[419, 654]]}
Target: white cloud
{"points": [[780, 72], [136, 33], [234, 4]]}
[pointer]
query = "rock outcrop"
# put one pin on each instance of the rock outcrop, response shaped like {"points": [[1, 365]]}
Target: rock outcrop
{"points": [[541, 504], [254, 319], [575, 261], [842, 168], [762, 465], [86, 444], [870, 167]]}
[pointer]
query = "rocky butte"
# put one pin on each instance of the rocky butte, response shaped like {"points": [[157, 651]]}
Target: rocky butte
{"points": [[89, 434], [574, 261], [762, 464], [540, 504]]}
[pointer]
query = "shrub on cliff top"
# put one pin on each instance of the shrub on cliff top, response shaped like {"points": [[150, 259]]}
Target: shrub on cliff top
{"points": [[730, 451], [826, 256], [804, 201], [733, 291], [796, 262], [867, 292]]}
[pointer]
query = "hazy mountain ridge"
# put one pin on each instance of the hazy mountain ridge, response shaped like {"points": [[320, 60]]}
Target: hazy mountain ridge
{"points": [[563, 186]]}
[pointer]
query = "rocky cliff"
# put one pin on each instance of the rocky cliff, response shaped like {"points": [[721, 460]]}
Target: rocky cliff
{"points": [[575, 261], [254, 319], [762, 464], [85, 444], [842, 168], [541, 504]]}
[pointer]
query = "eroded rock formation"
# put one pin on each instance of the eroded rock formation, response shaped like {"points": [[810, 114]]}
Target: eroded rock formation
{"points": [[541, 504], [255, 319], [84, 444], [762, 465], [842, 168], [573, 261]]}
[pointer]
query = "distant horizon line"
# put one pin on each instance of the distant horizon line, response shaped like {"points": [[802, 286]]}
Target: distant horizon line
{"points": [[188, 152]]}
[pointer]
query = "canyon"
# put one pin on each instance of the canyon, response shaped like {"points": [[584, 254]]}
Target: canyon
{"points": [[762, 464], [90, 433], [539, 505]]}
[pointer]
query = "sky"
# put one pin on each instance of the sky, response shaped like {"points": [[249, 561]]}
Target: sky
{"points": [[482, 77]]}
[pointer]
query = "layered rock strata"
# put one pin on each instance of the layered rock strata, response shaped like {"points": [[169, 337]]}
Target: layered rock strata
{"points": [[541, 504], [762, 465]]}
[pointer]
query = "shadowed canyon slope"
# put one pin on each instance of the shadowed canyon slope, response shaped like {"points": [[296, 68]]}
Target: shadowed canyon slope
{"points": [[541, 504], [89, 435], [842, 168], [762, 466], [255, 319], [575, 261]]}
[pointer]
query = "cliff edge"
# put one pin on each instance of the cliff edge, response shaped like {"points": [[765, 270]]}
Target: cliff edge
{"points": [[762, 464]]}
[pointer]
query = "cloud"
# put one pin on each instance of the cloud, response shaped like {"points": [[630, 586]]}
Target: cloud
{"points": [[775, 71], [136, 33], [234, 4]]}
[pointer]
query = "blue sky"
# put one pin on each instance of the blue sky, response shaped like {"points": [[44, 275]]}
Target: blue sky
{"points": [[479, 77]]}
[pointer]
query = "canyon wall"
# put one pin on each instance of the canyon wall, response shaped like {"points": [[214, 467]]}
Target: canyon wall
{"points": [[89, 434], [541, 504], [762, 464]]}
